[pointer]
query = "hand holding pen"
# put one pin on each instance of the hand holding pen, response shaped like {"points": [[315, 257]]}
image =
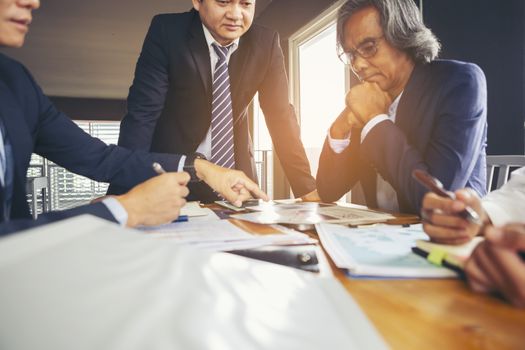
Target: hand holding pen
{"points": [[450, 218], [160, 171], [436, 186]]}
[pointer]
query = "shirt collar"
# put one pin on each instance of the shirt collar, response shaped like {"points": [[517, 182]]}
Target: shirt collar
{"points": [[210, 40], [393, 107]]}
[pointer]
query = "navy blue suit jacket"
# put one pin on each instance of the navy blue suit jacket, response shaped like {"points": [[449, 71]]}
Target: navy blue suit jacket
{"points": [[34, 125], [440, 127], [169, 103]]}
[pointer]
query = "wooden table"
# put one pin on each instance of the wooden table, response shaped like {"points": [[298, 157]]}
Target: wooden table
{"points": [[436, 314], [432, 314]]}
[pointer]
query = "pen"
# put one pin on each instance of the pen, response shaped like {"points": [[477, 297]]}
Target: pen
{"points": [[158, 168], [181, 218], [436, 186]]}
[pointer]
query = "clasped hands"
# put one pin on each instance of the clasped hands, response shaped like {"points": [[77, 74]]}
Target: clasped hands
{"points": [[363, 102]]}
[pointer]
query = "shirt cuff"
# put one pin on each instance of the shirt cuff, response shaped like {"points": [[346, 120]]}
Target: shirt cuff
{"points": [[496, 213], [371, 123], [116, 209], [338, 145], [182, 162]]}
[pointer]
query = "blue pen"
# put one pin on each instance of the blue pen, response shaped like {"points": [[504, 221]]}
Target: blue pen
{"points": [[181, 218]]}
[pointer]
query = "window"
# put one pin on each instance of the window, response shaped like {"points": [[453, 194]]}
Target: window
{"points": [[319, 81], [321, 90], [262, 144], [68, 190]]}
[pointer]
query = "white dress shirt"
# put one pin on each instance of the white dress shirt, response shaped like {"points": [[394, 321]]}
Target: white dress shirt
{"points": [[507, 204], [205, 145], [386, 195]]}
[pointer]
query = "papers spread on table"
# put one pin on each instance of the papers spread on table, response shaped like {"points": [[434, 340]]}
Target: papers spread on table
{"points": [[86, 283], [380, 251], [311, 213], [222, 235]]}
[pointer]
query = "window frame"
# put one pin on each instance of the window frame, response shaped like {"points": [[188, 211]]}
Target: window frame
{"points": [[302, 36]]}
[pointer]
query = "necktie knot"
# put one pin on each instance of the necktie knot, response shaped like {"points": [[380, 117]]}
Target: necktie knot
{"points": [[221, 51]]}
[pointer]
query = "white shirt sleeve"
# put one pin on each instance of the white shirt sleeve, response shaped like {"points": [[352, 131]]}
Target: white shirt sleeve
{"points": [[338, 145], [506, 204], [116, 209], [182, 162], [371, 123]]}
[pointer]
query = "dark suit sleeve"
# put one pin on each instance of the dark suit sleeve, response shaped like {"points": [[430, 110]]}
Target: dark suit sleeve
{"points": [[338, 172], [97, 209], [60, 140], [451, 154], [282, 123], [148, 93]]}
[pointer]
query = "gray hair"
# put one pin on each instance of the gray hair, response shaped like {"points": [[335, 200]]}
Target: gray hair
{"points": [[402, 26]]}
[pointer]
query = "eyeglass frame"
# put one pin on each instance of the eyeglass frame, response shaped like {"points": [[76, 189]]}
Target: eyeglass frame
{"points": [[348, 57]]}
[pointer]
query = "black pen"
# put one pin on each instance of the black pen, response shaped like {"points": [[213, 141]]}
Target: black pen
{"points": [[158, 168], [436, 186]]}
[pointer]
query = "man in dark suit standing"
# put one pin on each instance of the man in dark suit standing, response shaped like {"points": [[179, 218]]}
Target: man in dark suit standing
{"points": [[411, 111], [195, 77]]}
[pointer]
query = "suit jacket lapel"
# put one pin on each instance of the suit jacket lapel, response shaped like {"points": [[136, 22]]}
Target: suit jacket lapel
{"points": [[406, 111], [199, 51]]}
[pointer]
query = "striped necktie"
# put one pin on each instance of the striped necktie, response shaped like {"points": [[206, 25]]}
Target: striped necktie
{"points": [[222, 150]]}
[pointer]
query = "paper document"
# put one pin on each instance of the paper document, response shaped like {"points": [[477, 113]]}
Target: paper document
{"points": [[312, 213], [220, 235], [86, 283], [194, 211], [381, 251]]}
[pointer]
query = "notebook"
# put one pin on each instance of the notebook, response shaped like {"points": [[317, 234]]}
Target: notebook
{"points": [[450, 256], [380, 251]]}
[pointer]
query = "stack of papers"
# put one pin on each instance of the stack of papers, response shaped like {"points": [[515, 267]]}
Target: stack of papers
{"points": [[379, 251], [222, 235], [311, 213]]}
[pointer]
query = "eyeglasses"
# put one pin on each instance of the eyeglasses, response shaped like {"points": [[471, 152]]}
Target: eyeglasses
{"points": [[365, 50]]}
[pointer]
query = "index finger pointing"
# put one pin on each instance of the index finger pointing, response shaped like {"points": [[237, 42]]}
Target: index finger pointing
{"points": [[255, 190]]}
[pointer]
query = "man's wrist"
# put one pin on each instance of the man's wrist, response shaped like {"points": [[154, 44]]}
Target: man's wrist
{"points": [[132, 219], [201, 168], [340, 128], [116, 209], [190, 166], [338, 133]]}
